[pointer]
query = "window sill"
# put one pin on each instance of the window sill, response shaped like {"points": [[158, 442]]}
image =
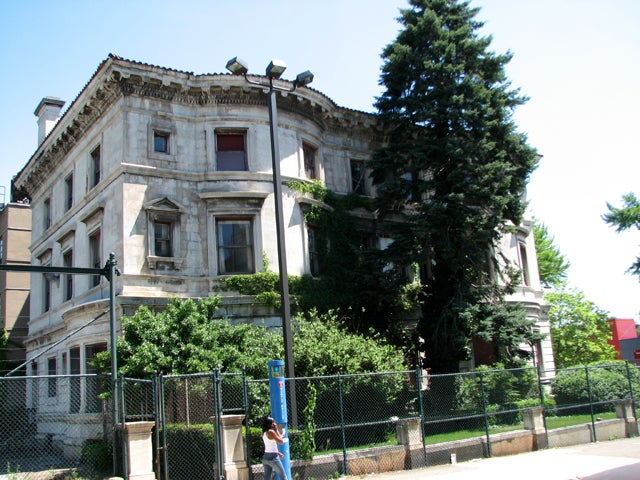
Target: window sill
{"points": [[161, 263]]}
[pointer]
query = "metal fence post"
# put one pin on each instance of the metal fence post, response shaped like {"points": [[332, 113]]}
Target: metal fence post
{"points": [[422, 416], [163, 421], [633, 401], [345, 465], [123, 428], [156, 408], [217, 423], [542, 403], [486, 415], [593, 421], [247, 428]]}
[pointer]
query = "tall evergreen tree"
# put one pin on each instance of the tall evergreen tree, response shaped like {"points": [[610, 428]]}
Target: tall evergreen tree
{"points": [[451, 177]]}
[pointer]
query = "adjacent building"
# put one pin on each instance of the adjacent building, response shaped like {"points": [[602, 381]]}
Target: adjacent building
{"points": [[624, 338], [15, 237], [171, 171]]}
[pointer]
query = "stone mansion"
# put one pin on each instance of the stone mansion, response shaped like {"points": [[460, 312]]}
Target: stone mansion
{"points": [[171, 171]]}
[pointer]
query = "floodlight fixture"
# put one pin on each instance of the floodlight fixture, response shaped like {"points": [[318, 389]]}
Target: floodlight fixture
{"points": [[276, 68], [304, 78], [237, 66]]}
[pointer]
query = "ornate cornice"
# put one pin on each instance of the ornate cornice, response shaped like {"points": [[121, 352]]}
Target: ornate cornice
{"points": [[120, 78]]}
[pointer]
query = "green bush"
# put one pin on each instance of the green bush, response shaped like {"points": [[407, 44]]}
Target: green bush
{"points": [[502, 388], [96, 455], [255, 445], [191, 451], [607, 382]]}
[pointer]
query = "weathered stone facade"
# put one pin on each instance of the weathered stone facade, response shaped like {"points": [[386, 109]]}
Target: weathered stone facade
{"points": [[171, 171]]}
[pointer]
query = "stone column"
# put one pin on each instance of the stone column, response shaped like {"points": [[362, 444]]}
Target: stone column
{"points": [[233, 451], [408, 431], [624, 410], [139, 450], [534, 421]]}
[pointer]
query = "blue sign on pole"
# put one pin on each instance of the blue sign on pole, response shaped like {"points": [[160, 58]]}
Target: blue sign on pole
{"points": [[278, 400]]}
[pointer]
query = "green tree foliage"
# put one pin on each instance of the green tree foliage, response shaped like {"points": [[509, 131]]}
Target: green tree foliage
{"points": [[451, 176], [579, 330], [186, 337], [352, 280], [552, 264], [497, 388], [322, 347], [625, 218]]}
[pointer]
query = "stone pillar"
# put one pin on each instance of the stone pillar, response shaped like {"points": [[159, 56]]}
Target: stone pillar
{"points": [[233, 451], [139, 450], [408, 431], [624, 410], [534, 421]]}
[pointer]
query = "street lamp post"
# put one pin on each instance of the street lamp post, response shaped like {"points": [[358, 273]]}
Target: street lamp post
{"points": [[274, 71]]}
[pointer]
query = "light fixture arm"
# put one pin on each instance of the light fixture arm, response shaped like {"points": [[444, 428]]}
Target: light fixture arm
{"points": [[270, 85]]}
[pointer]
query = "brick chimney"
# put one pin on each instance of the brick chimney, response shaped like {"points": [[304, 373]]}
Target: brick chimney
{"points": [[48, 113]]}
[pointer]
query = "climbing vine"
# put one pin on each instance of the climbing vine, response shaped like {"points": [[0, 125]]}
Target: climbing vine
{"points": [[352, 280]]}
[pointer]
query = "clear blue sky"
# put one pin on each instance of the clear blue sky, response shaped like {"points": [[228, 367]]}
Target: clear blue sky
{"points": [[577, 60]]}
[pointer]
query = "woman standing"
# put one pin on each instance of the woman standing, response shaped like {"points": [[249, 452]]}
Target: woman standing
{"points": [[271, 459]]}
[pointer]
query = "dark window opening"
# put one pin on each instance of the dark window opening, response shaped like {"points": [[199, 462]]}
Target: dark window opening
{"points": [[231, 152], [235, 246]]}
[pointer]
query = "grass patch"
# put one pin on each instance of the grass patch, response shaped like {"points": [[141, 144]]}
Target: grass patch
{"points": [[571, 420], [464, 434], [552, 423]]}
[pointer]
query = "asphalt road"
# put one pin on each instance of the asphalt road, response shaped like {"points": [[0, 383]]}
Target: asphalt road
{"points": [[608, 460]]}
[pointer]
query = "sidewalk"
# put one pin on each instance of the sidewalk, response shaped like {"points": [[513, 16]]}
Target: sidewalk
{"points": [[608, 460]]}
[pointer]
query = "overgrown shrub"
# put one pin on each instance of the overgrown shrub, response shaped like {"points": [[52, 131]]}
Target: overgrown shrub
{"points": [[489, 387], [96, 456], [191, 451], [600, 382]]}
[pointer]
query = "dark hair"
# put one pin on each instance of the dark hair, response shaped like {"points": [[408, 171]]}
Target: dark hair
{"points": [[267, 423]]}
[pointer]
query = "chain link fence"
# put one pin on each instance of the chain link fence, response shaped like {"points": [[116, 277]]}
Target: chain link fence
{"points": [[55, 427], [349, 424]]}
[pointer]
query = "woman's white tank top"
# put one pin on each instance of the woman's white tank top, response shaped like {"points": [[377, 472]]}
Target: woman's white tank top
{"points": [[270, 446]]}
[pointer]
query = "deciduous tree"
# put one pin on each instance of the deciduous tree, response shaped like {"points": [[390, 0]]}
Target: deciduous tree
{"points": [[187, 337], [579, 330]]}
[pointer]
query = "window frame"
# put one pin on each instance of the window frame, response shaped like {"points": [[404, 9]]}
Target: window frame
{"points": [[46, 213], [310, 165], [358, 185], [45, 261], [163, 237], [523, 263], [313, 252], [249, 248], [165, 136], [67, 261], [95, 166], [75, 384], [92, 403], [164, 211], [94, 240], [52, 382], [218, 133], [68, 192]]}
